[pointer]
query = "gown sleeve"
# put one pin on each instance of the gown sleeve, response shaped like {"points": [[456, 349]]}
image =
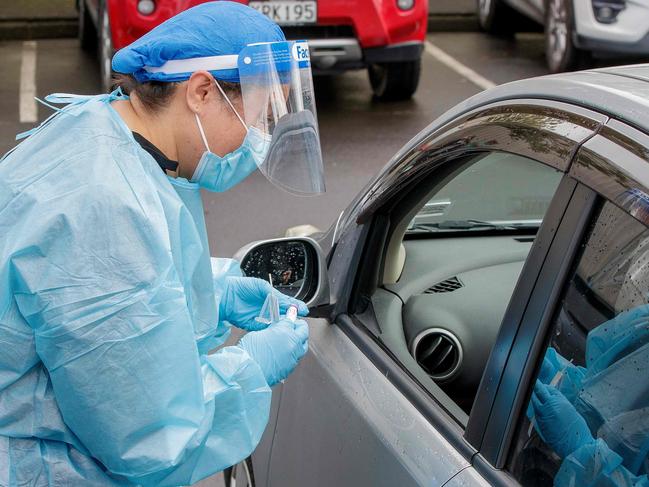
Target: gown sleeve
{"points": [[596, 465]]}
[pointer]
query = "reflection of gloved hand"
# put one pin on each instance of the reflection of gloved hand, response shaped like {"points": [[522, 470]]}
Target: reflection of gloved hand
{"points": [[553, 363], [561, 427], [278, 348], [243, 298], [571, 375]]}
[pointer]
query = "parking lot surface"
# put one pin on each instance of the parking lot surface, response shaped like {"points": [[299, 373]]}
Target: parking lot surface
{"points": [[359, 134]]}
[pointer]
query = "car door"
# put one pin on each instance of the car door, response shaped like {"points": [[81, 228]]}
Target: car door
{"points": [[589, 316], [356, 411]]}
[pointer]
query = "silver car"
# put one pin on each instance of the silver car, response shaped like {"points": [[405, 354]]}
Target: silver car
{"points": [[574, 29], [515, 223]]}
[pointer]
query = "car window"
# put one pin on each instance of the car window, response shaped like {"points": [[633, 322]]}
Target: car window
{"points": [[496, 189], [446, 287], [587, 422]]}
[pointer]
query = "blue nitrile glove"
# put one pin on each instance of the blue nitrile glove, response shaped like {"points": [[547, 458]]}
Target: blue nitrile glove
{"points": [[278, 348], [553, 362], [243, 298], [571, 379], [561, 427]]}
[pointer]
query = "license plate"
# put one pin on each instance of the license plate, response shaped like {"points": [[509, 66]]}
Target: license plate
{"points": [[288, 12]]}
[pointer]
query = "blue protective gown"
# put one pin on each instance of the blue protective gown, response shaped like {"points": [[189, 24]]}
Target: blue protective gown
{"points": [[612, 395], [107, 311]]}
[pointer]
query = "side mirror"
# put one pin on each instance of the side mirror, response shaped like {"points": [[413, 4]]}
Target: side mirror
{"points": [[296, 267]]}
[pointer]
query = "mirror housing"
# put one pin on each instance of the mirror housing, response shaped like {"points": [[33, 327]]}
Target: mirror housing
{"points": [[295, 265]]}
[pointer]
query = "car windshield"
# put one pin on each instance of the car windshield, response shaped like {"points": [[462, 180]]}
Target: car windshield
{"points": [[496, 191]]}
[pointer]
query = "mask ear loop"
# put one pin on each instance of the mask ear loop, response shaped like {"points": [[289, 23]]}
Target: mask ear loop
{"points": [[200, 125], [200, 129], [231, 105]]}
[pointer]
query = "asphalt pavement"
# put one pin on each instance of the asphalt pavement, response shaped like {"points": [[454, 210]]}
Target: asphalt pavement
{"points": [[359, 134]]}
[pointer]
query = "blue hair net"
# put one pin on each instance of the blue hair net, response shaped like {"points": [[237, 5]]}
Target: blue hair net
{"points": [[211, 29]]}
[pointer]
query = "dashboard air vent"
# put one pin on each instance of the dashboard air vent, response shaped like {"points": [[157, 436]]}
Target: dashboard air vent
{"points": [[447, 286], [438, 352]]}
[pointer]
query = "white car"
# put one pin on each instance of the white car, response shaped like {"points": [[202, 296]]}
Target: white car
{"points": [[574, 28]]}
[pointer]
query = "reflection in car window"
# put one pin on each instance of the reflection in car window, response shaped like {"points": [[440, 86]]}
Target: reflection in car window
{"points": [[497, 190], [587, 422]]}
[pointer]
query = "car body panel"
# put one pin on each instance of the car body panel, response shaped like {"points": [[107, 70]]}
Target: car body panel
{"points": [[350, 427], [629, 33], [375, 24], [630, 27], [467, 477], [615, 163]]}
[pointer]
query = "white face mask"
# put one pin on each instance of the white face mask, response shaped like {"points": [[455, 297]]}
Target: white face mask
{"points": [[216, 173]]}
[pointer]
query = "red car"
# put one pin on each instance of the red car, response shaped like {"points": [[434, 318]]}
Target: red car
{"points": [[385, 37]]}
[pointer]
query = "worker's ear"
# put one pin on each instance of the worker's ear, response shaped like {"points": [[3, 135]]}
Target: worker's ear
{"points": [[200, 91]]}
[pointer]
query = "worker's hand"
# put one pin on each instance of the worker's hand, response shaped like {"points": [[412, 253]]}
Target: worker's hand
{"points": [[243, 298], [561, 427], [278, 348]]}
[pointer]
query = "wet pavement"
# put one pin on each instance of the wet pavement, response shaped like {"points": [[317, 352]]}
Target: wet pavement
{"points": [[359, 134]]}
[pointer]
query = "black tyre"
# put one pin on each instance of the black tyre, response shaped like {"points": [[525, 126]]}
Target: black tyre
{"points": [[495, 17], [87, 31], [395, 81], [240, 475], [561, 54], [105, 49]]}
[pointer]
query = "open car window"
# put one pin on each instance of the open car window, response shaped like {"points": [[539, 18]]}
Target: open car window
{"points": [[497, 191], [587, 421], [452, 274]]}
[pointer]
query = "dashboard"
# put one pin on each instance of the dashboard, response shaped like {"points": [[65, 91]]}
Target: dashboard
{"points": [[453, 294]]}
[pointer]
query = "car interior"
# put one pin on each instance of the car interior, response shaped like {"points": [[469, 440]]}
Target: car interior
{"points": [[454, 248]]}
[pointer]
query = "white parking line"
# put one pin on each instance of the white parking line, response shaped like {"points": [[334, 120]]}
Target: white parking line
{"points": [[462, 69], [28, 110]]}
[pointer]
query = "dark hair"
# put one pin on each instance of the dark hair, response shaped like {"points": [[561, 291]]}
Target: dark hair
{"points": [[155, 95]]}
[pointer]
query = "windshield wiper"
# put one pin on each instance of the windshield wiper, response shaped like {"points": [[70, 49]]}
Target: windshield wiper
{"points": [[466, 225]]}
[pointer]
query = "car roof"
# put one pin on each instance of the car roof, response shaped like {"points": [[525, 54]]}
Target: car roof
{"points": [[620, 92]]}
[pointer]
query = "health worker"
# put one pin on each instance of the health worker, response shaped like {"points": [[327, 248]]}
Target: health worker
{"points": [[109, 301]]}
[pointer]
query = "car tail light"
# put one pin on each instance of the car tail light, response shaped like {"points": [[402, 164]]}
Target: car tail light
{"points": [[146, 7], [405, 4]]}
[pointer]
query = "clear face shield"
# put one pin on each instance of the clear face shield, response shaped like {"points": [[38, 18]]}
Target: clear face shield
{"points": [[278, 100], [279, 109]]}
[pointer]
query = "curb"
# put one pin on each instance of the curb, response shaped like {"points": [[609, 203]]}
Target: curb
{"points": [[55, 28], [11, 30]]}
